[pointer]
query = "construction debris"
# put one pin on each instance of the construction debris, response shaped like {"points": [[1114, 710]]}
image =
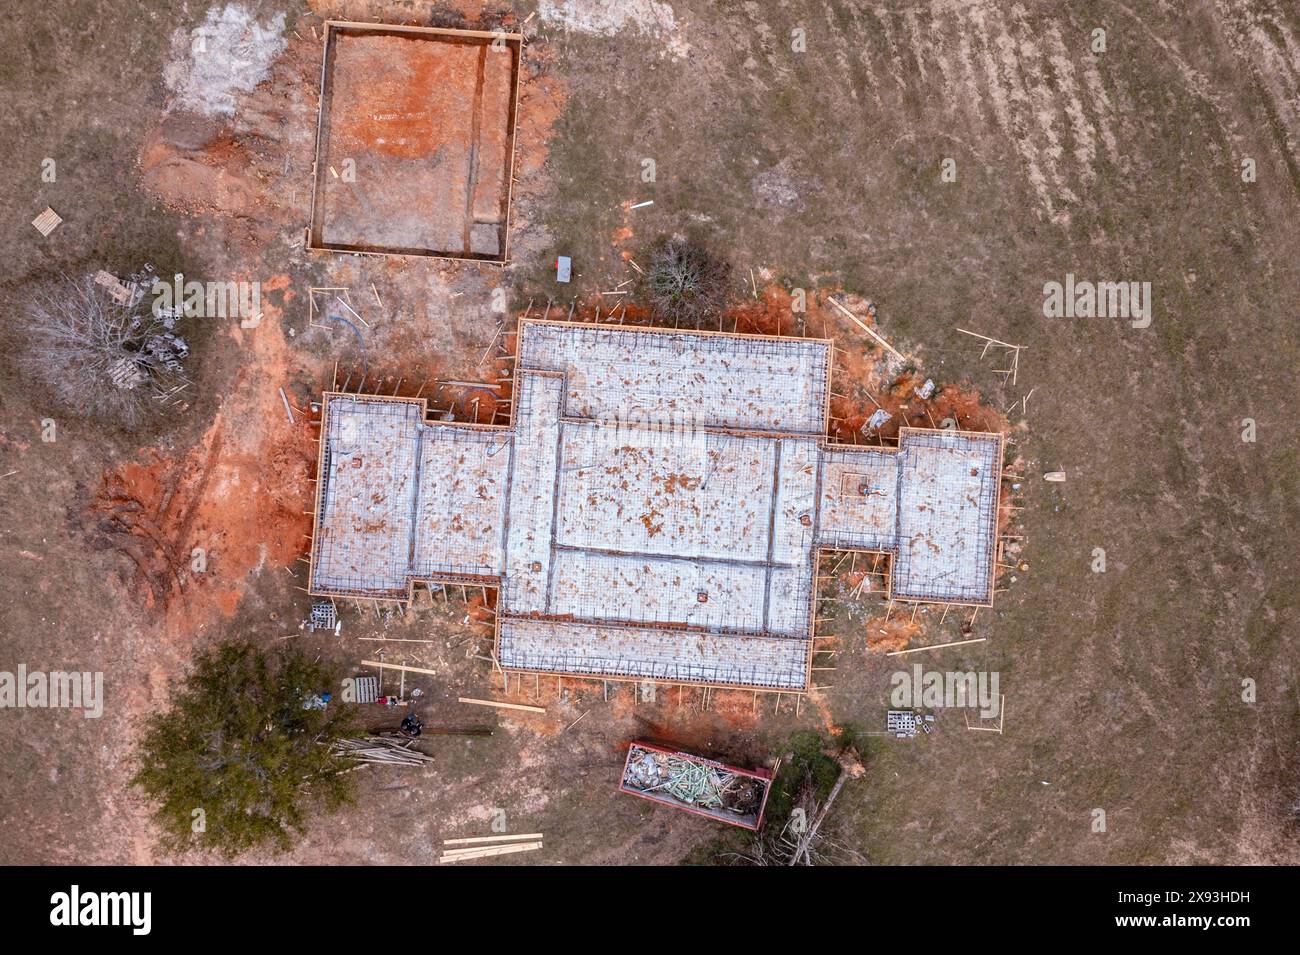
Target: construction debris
{"points": [[117, 290], [398, 666], [470, 840], [1010, 373], [323, 615], [100, 348], [486, 847], [902, 723], [365, 689], [698, 785], [378, 749], [287, 408], [875, 336], [489, 852], [486, 852], [937, 646], [878, 418], [1002, 715]]}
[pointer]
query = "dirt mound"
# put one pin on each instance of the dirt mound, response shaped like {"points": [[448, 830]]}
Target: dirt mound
{"points": [[887, 635], [773, 314], [205, 158], [198, 180]]}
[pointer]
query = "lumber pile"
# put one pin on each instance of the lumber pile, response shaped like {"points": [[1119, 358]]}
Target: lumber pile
{"points": [[117, 290], [376, 749], [488, 847]]}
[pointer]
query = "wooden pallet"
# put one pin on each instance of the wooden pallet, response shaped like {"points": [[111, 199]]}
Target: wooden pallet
{"points": [[119, 292], [47, 221]]}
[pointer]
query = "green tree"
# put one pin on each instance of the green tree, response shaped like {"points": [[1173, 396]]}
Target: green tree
{"points": [[238, 761]]}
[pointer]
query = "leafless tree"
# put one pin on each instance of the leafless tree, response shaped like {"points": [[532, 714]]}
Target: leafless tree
{"points": [[687, 283], [106, 359], [803, 840]]}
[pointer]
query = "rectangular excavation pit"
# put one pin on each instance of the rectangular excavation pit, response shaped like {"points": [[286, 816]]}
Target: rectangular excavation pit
{"points": [[415, 141]]}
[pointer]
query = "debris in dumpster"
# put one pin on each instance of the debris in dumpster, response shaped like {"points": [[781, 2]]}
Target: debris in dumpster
{"points": [[696, 784]]}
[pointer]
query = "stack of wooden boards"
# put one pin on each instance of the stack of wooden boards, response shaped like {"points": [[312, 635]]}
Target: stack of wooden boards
{"points": [[485, 847]]}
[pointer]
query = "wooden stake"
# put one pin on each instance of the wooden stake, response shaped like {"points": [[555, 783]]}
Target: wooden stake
{"points": [[862, 325]]}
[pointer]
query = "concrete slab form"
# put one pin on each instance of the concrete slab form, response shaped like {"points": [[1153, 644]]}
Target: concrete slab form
{"points": [[932, 504], [654, 653], [461, 502], [415, 141], [403, 498], [685, 379], [366, 495], [637, 532], [948, 486], [858, 508]]}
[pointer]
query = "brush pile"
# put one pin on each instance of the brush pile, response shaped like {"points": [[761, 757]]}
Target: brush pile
{"points": [[99, 345]]}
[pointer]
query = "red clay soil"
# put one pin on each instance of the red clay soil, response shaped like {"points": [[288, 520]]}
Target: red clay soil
{"points": [[771, 314], [241, 512], [886, 636], [407, 97], [542, 97], [213, 177], [481, 607], [242, 493], [677, 712], [963, 408], [486, 405]]}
